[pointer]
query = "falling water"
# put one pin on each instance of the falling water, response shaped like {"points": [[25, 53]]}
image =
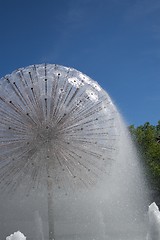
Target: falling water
{"points": [[68, 168]]}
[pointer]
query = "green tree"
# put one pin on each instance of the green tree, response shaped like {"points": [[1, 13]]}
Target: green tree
{"points": [[147, 139]]}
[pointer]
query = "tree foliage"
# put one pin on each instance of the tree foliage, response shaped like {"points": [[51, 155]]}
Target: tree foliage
{"points": [[147, 139]]}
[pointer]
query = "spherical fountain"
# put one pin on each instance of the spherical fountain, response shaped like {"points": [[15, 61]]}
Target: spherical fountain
{"points": [[57, 130], [68, 168]]}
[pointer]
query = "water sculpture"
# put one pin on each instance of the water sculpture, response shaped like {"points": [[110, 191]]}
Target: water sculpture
{"points": [[58, 129]]}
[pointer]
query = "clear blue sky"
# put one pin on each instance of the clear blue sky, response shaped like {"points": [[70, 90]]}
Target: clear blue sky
{"points": [[115, 42]]}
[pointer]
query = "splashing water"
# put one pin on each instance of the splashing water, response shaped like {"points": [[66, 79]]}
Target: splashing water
{"points": [[153, 233], [65, 146], [16, 236]]}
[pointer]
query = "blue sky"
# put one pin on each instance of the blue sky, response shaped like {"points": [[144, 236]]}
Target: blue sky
{"points": [[115, 42]]}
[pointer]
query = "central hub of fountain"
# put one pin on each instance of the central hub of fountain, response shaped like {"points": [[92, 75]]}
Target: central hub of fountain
{"points": [[45, 135]]}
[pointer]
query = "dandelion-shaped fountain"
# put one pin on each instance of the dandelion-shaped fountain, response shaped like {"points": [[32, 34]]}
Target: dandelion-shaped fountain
{"points": [[57, 129]]}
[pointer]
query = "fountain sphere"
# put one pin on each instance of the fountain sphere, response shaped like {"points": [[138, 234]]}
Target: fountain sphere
{"points": [[56, 123]]}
